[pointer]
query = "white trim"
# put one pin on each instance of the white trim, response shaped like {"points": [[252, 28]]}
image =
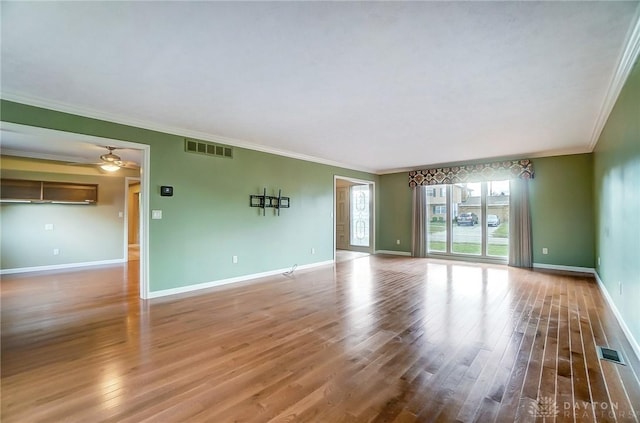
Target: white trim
{"points": [[145, 195], [181, 132], [394, 253], [627, 59], [60, 266], [634, 343], [576, 269], [189, 288]]}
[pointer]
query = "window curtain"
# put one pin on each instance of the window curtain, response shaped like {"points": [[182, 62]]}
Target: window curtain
{"points": [[419, 222], [520, 245], [506, 169]]}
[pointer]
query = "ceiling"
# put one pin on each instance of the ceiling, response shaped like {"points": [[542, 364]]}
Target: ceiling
{"points": [[377, 86], [42, 143]]}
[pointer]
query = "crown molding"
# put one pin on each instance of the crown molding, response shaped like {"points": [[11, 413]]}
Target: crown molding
{"points": [[182, 132], [625, 65], [546, 153]]}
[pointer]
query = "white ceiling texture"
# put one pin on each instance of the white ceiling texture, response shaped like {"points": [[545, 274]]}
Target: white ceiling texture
{"points": [[376, 86]]}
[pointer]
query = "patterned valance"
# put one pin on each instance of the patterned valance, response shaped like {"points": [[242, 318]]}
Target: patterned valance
{"points": [[507, 169]]}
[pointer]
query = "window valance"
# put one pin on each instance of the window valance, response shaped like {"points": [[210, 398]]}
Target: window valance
{"points": [[506, 169]]}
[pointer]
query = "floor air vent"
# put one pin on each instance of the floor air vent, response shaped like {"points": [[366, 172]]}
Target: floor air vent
{"points": [[207, 148], [608, 354]]}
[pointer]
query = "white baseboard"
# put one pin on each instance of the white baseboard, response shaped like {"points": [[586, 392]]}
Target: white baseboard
{"points": [[394, 253], [634, 343], [577, 269], [60, 266], [204, 285]]}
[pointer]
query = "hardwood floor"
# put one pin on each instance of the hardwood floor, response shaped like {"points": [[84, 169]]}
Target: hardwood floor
{"points": [[346, 255], [373, 339]]}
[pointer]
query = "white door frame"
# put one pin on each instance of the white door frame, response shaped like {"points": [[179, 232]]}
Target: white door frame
{"points": [[372, 222], [144, 185]]}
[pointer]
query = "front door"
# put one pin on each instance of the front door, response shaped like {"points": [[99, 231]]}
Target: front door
{"points": [[342, 218]]}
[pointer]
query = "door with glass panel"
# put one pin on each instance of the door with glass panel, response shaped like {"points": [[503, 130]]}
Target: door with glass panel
{"points": [[360, 215], [498, 219], [437, 217], [470, 219], [467, 230]]}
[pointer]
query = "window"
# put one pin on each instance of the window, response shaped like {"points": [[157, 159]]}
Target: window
{"points": [[431, 192], [440, 209], [360, 215], [470, 219], [437, 225], [467, 231], [498, 219]]}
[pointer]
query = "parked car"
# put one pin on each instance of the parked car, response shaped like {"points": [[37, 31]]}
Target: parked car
{"points": [[468, 219], [493, 220]]}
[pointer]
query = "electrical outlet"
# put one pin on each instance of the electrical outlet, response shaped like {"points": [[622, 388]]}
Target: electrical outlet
{"points": [[313, 251], [56, 251], [234, 259], [620, 287], [120, 214], [598, 260], [545, 250], [48, 226], [397, 242]]}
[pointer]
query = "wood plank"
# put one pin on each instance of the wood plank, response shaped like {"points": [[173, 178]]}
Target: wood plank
{"points": [[375, 339]]}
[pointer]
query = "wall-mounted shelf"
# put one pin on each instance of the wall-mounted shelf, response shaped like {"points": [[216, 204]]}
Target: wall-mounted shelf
{"points": [[39, 192], [265, 201]]}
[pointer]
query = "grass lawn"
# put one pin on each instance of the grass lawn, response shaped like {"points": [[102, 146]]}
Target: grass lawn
{"points": [[501, 231], [470, 248], [437, 227]]}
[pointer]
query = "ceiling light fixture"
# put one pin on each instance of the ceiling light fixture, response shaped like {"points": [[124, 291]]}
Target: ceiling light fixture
{"points": [[111, 162], [109, 167]]}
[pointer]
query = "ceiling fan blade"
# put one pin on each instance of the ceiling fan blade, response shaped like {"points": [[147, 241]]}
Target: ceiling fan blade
{"points": [[83, 163], [130, 165]]}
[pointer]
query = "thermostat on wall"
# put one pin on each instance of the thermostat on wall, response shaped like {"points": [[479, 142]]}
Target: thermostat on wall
{"points": [[166, 191]]}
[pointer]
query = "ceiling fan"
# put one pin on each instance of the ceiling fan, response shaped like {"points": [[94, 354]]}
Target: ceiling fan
{"points": [[111, 162]]}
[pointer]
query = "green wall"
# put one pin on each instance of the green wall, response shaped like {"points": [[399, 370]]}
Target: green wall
{"points": [[395, 213], [617, 203], [208, 220], [562, 211]]}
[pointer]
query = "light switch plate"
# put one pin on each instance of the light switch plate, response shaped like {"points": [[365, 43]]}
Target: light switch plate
{"points": [[156, 214]]}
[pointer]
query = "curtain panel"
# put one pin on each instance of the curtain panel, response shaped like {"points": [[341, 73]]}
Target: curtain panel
{"points": [[419, 222], [520, 240], [506, 169]]}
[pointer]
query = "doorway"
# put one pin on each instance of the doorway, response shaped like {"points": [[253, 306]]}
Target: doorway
{"points": [[353, 217], [67, 143], [132, 219]]}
